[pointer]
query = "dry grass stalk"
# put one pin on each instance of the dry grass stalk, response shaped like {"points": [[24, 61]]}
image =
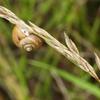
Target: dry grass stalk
{"points": [[61, 85], [97, 59], [70, 52]]}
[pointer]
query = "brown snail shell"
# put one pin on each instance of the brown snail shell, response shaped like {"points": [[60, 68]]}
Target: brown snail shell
{"points": [[23, 39]]}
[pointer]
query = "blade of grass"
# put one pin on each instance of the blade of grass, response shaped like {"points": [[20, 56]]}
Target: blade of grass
{"points": [[58, 15], [95, 28], [69, 77]]}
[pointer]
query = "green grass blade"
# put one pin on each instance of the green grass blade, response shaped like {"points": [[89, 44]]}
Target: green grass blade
{"points": [[93, 89]]}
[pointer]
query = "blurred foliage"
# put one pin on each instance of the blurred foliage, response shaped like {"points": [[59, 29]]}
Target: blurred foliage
{"points": [[28, 76]]}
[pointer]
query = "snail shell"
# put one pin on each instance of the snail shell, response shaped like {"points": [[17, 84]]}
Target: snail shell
{"points": [[23, 39]]}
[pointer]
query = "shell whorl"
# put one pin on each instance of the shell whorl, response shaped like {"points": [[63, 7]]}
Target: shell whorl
{"points": [[23, 39]]}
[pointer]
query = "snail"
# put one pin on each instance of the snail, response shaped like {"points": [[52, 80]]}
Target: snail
{"points": [[22, 38]]}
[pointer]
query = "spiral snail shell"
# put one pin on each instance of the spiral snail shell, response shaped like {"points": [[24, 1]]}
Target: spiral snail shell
{"points": [[23, 39]]}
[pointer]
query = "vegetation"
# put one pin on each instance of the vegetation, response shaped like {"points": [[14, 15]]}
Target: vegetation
{"points": [[44, 74]]}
